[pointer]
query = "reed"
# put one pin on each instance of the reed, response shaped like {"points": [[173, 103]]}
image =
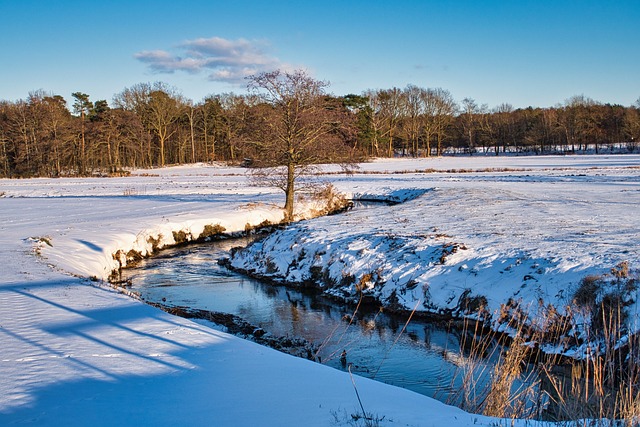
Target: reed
{"points": [[600, 389]]}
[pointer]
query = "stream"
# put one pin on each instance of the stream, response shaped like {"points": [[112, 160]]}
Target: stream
{"points": [[421, 356]]}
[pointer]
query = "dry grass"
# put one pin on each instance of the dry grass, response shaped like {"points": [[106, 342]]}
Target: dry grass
{"points": [[211, 230], [602, 389], [510, 391]]}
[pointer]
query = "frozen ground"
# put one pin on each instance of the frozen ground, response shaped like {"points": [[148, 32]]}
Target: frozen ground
{"points": [[75, 352], [525, 229]]}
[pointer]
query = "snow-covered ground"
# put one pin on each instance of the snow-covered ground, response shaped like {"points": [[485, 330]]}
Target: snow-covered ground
{"points": [[524, 229], [76, 352]]}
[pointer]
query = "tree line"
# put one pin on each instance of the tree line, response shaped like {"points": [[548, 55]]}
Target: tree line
{"points": [[152, 124]]}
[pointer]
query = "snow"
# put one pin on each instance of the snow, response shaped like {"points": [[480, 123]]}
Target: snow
{"points": [[523, 229], [74, 351]]}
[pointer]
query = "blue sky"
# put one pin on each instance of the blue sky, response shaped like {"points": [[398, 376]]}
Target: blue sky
{"points": [[526, 53]]}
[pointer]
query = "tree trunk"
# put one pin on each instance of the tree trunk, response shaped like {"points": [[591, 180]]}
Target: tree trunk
{"points": [[193, 139], [161, 152], [205, 128], [83, 164], [427, 137], [289, 192]]}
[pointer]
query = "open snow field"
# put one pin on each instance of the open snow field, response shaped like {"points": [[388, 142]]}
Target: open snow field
{"points": [[75, 352]]}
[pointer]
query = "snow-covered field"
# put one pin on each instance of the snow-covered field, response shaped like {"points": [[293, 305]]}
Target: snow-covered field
{"points": [[76, 352], [526, 230]]}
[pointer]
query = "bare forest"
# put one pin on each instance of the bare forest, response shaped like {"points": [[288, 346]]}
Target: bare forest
{"points": [[152, 124]]}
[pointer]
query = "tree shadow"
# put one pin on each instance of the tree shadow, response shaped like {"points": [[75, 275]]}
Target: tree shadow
{"points": [[66, 343], [90, 245]]}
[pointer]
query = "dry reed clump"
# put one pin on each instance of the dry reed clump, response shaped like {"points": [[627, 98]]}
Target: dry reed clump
{"points": [[469, 304], [507, 390], [211, 230], [502, 400], [604, 387], [329, 200], [512, 316], [605, 298], [134, 256], [180, 237], [248, 228], [155, 242]]}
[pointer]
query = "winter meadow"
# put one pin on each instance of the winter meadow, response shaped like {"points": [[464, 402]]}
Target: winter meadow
{"points": [[346, 214]]}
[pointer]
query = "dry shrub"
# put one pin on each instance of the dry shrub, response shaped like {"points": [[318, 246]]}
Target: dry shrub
{"points": [[347, 279], [587, 292], [181, 237], [468, 304], [134, 256], [248, 228], [606, 298], [155, 242], [331, 200], [210, 231], [320, 277], [621, 271], [271, 266]]}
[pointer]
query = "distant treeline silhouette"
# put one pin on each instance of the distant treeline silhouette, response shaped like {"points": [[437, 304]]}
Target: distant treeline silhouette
{"points": [[152, 124]]}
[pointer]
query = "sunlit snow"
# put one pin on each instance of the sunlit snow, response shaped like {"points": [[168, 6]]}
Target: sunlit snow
{"points": [[76, 352]]}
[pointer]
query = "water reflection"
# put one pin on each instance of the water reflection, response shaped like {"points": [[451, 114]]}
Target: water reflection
{"points": [[424, 358]]}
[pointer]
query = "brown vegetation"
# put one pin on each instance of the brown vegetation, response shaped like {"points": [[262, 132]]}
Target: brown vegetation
{"points": [[150, 125], [211, 230], [599, 384]]}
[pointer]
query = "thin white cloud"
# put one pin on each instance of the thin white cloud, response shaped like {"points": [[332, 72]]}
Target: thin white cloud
{"points": [[225, 60]]}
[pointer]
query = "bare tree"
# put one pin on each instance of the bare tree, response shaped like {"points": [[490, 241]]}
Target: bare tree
{"points": [[235, 121], [632, 125], [471, 117], [163, 109], [390, 110], [57, 126], [429, 118], [502, 119], [413, 110], [445, 108], [299, 126], [134, 99], [574, 119], [190, 112], [159, 106], [5, 140]]}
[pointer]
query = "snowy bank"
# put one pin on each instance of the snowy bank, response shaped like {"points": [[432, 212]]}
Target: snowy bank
{"points": [[490, 245]]}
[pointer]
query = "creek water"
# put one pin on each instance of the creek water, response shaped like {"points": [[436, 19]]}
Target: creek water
{"points": [[424, 357]]}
